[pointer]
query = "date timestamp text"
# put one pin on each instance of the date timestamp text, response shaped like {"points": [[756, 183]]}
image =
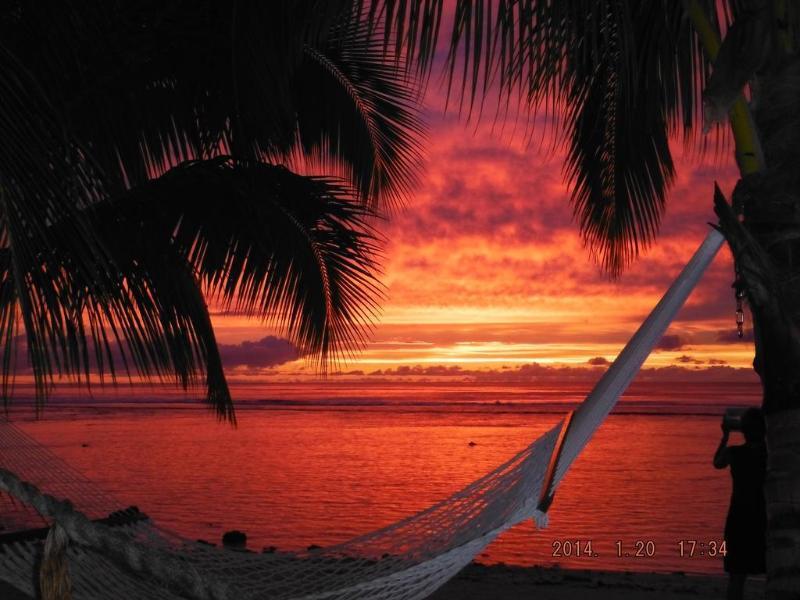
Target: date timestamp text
{"points": [[573, 548]]}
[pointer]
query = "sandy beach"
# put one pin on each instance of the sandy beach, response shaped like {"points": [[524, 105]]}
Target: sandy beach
{"points": [[480, 582]]}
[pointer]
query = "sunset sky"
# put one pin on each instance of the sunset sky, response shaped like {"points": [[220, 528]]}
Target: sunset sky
{"points": [[485, 270]]}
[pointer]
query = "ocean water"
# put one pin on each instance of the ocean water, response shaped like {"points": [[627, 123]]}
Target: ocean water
{"points": [[318, 464]]}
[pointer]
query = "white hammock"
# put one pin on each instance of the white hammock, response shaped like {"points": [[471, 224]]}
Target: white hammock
{"points": [[407, 560]]}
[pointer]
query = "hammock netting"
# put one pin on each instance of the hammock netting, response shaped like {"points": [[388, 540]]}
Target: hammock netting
{"points": [[136, 558]]}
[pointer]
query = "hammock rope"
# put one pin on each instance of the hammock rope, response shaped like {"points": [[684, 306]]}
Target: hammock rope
{"points": [[407, 560]]}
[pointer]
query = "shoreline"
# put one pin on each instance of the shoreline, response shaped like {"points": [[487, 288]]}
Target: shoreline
{"points": [[509, 582]]}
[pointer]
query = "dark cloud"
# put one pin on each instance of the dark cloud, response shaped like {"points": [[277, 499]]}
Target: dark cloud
{"points": [[598, 361], [536, 372], [420, 371], [670, 342], [717, 361], [269, 351], [688, 360]]}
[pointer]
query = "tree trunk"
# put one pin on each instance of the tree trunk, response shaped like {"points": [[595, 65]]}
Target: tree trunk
{"points": [[782, 492], [772, 291], [765, 242]]}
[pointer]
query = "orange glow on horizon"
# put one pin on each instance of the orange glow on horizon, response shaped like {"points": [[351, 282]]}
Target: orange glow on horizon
{"points": [[485, 269]]}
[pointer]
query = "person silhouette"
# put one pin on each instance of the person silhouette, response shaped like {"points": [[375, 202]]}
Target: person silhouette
{"points": [[745, 527]]}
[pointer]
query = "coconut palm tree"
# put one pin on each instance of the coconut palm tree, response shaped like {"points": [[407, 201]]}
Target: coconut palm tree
{"points": [[625, 75], [156, 155]]}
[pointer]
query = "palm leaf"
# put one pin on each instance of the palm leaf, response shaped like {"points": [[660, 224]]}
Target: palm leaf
{"points": [[147, 85], [619, 160], [296, 250], [369, 121], [103, 99], [45, 179], [622, 74]]}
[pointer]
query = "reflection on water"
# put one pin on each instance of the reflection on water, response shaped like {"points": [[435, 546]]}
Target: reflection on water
{"points": [[319, 475]]}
